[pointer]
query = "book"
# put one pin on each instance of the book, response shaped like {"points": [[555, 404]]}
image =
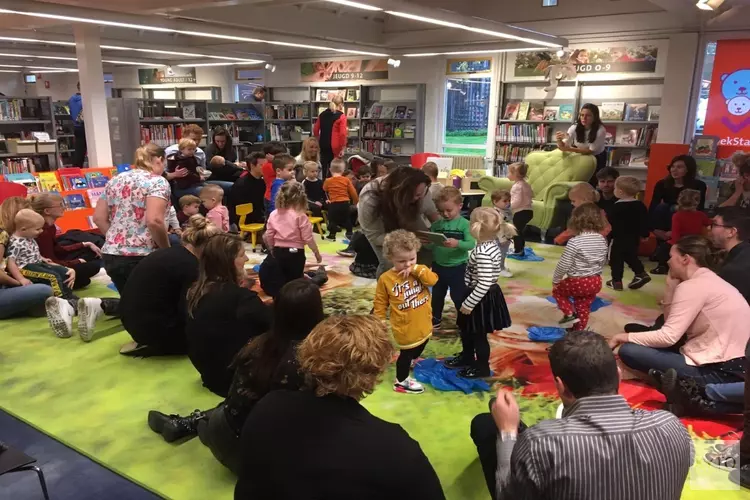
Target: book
{"points": [[188, 111], [611, 133], [94, 194], [352, 95], [375, 110], [388, 112], [550, 113], [728, 171], [536, 111], [48, 182], [409, 113], [704, 146], [653, 113], [96, 179], [351, 112], [706, 167], [400, 113], [636, 112], [26, 179], [611, 111], [511, 111], [629, 137], [321, 95], [565, 113], [74, 201], [523, 110]]}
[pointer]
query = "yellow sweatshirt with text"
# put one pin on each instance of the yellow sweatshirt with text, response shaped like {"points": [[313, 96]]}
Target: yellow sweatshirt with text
{"points": [[410, 302]]}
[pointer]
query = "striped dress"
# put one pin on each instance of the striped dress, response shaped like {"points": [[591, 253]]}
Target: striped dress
{"points": [[484, 299]]}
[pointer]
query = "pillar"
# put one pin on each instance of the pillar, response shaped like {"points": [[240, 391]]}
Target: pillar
{"points": [[91, 78], [682, 54]]}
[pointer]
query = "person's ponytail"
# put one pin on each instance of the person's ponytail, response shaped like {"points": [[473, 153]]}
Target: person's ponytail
{"points": [[145, 155], [198, 231], [336, 103], [702, 250]]}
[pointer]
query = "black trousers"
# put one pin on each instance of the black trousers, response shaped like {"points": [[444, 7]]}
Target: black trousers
{"points": [[403, 363], [85, 271], [216, 433], [339, 216], [291, 262], [484, 434], [476, 342], [601, 162], [315, 209], [624, 252], [118, 268], [520, 219], [79, 155], [326, 157]]}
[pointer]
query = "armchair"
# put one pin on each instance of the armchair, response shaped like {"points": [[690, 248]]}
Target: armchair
{"points": [[551, 175]]}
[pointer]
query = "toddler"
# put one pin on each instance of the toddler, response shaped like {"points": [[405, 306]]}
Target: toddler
{"points": [[288, 231], [316, 197], [404, 290], [224, 170], [449, 260], [579, 194], [520, 203], [687, 220], [483, 310], [341, 196], [270, 150], [211, 196], [189, 205], [173, 227], [364, 175], [629, 219], [283, 166], [501, 202], [431, 170], [185, 159], [578, 275]]}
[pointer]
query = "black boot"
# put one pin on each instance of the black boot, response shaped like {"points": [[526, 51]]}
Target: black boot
{"points": [[174, 427]]}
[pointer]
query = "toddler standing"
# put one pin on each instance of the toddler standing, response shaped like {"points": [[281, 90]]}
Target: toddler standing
{"points": [[341, 196], [404, 290], [316, 197], [501, 202], [283, 165], [578, 275], [521, 195], [431, 169], [270, 150], [211, 196], [629, 219], [483, 310]]}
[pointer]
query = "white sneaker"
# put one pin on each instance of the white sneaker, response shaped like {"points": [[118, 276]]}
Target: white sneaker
{"points": [[505, 273], [408, 386], [60, 316], [89, 310]]}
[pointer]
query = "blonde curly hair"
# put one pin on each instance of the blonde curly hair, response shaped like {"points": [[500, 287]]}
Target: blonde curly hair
{"points": [[487, 224], [345, 355], [400, 240], [587, 218], [292, 195]]}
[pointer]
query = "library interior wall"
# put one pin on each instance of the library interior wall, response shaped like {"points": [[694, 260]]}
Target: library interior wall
{"points": [[206, 76]]}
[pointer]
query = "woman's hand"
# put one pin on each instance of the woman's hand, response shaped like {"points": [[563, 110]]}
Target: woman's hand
{"points": [[97, 251], [618, 339], [177, 174], [559, 136], [71, 274]]}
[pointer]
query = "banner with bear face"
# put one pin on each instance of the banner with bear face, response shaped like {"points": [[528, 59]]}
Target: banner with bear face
{"points": [[728, 109]]}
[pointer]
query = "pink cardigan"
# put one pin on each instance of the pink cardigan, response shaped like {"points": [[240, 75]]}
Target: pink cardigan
{"points": [[521, 195], [288, 228], [715, 316]]}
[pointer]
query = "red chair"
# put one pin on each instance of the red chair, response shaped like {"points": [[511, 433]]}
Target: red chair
{"points": [[8, 189], [419, 159]]}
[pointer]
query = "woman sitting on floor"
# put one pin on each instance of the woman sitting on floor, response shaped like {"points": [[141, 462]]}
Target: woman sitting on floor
{"points": [[711, 314], [267, 363]]}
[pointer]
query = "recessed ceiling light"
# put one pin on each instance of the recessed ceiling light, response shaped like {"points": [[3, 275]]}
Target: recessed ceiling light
{"points": [[58, 58], [356, 5], [192, 65], [132, 63], [87, 20], [465, 52]]}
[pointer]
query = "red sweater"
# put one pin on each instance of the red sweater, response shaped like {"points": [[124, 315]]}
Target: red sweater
{"points": [[688, 222], [48, 247], [269, 174], [337, 134]]}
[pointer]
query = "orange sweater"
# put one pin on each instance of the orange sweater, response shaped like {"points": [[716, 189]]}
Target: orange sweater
{"points": [[563, 237], [339, 189]]}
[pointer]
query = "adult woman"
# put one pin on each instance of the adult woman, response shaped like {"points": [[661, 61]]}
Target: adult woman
{"points": [[586, 137], [710, 312], [365, 458], [267, 363], [682, 172], [14, 298], [331, 130], [310, 152], [221, 145], [395, 201], [131, 213], [51, 207], [223, 315]]}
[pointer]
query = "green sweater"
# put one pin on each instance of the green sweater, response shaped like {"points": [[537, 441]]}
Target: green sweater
{"points": [[458, 229]]}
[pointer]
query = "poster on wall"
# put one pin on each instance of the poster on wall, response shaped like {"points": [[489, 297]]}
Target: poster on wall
{"points": [[341, 71], [623, 59], [728, 108], [166, 74]]}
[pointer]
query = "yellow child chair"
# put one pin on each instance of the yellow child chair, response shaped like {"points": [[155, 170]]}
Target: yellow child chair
{"points": [[315, 221], [253, 228]]}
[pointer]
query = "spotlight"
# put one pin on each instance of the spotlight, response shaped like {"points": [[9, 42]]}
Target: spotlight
{"points": [[271, 67], [394, 62], [709, 4], [560, 53]]}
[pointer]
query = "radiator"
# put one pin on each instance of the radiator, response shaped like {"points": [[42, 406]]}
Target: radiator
{"points": [[467, 162]]}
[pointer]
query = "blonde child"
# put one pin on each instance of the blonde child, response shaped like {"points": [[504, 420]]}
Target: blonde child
{"points": [[316, 197], [579, 194], [283, 166], [578, 275], [431, 169], [189, 205], [341, 196], [501, 202], [483, 310], [288, 231], [182, 167], [404, 290], [629, 219], [211, 196], [687, 220], [521, 195]]}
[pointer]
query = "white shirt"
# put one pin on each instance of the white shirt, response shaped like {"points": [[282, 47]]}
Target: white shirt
{"points": [[596, 147]]}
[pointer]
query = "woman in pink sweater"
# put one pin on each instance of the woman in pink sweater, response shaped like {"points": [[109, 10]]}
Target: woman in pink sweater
{"points": [[711, 315]]}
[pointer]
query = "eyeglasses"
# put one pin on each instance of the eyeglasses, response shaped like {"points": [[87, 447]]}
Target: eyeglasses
{"points": [[714, 224]]}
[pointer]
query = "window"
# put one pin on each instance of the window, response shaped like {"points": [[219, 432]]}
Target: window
{"points": [[467, 109], [243, 92], [549, 3], [708, 68]]}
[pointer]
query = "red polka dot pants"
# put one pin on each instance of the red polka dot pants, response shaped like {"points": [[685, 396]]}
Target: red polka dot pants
{"points": [[581, 292]]}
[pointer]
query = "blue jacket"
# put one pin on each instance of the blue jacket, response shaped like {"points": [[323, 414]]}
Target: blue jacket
{"points": [[76, 106]]}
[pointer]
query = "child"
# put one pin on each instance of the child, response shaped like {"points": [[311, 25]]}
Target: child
{"points": [[270, 150], [364, 175], [377, 167], [250, 188], [288, 230], [223, 170], [606, 178], [687, 220], [189, 206], [501, 202], [341, 195], [483, 310], [186, 159], [283, 166], [211, 196], [520, 203], [581, 193], [449, 260], [173, 227], [349, 174], [316, 197], [629, 219], [578, 272], [404, 290], [431, 169]]}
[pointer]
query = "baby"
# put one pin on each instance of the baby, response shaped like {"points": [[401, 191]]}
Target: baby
{"points": [[211, 196]]}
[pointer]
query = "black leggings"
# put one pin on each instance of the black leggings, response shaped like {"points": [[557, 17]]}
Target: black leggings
{"points": [[403, 363], [85, 271], [339, 215], [520, 219], [119, 267], [291, 262]]}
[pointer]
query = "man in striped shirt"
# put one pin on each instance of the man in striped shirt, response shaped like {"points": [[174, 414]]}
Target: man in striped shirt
{"points": [[599, 449]]}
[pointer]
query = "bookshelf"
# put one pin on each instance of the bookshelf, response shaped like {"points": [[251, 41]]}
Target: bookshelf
{"points": [[352, 95], [161, 120], [64, 132], [393, 121], [20, 151], [288, 116], [244, 121]]}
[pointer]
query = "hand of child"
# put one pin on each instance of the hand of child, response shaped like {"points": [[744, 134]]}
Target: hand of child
{"points": [[404, 273], [319, 203], [91, 246], [46, 260], [71, 274], [24, 282], [450, 243], [465, 310], [618, 339], [318, 257]]}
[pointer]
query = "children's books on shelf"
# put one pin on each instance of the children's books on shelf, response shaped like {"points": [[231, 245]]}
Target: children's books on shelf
{"points": [[523, 133], [400, 113], [536, 111], [188, 111], [636, 112], [511, 111], [550, 113], [26, 179], [96, 179], [611, 111], [565, 113], [48, 182], [523, 110], [74, 201], [94, 194], [17, 166], [653, 113]]}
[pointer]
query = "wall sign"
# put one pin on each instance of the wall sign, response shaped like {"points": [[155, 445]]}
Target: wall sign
{"points": [[166, 74], [728, 109], [624, 59], [341, 71]]}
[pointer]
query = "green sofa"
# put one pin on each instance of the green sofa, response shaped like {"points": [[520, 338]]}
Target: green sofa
{"points": [[551, 175]]}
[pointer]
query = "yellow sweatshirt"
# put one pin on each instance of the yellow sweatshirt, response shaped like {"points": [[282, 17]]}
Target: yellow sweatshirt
{"points": [[410, 304]]}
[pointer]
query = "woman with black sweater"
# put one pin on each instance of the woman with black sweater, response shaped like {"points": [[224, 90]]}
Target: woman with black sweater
{"points": [[331, 131]]}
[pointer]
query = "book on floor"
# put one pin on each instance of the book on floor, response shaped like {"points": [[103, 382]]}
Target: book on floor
{"points": [[636, 112], [550, 113], [511, 111]]}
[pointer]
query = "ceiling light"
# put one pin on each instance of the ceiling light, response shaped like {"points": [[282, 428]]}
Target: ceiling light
{"points": [[356, 5], [35, 68], [282, 44], [271, 67], [9, 71], [59, 58], [394, 62], [709, 4], [133, 63], [465, 52], [191, 65], [87, 20], [560, 53], [34, 40], [178, 53]]}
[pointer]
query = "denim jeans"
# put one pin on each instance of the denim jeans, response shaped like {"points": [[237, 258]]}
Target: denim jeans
{"points": [[733, 392], [449, 278], [19, 299]]}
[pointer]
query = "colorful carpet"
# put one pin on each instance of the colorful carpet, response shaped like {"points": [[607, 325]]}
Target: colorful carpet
{"points": [[96, 401]]}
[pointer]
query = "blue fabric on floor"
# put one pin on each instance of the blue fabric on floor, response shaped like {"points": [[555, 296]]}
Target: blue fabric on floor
{"points": [[595, 306], [256, 268], [528, 256], [433, 372], [545, 333], [112, 287]]}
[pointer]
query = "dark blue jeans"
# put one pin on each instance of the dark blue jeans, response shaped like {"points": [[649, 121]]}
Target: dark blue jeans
{"points": [[643, 359], [449, 278]]}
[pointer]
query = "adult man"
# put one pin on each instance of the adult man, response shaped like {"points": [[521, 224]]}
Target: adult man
{"points": [[600, 448], [75, 106], [606, 178]]}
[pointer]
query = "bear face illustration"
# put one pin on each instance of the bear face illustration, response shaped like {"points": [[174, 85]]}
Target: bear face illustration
{"points": [[739, 105], [736, 84]]}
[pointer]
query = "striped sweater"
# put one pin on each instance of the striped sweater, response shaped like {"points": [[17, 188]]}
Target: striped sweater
{"points": [[585, 255], [482, 271]]}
